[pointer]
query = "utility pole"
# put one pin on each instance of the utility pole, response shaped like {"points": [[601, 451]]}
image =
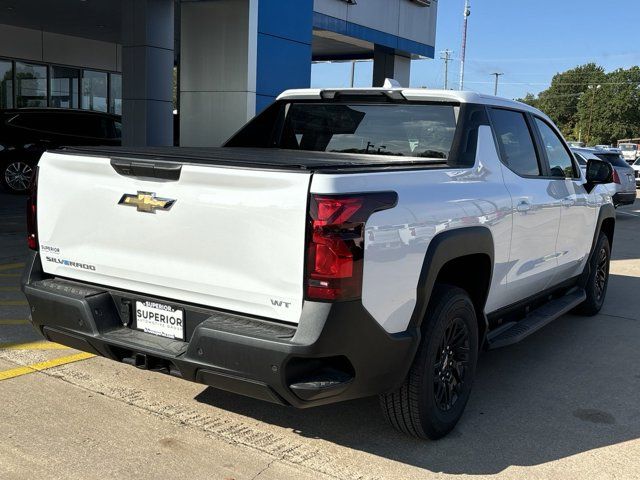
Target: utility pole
{"points": [[594, 88], [446, 56], [497, 75], [463, 50]]}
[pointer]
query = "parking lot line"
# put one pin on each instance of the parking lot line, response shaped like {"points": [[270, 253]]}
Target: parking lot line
{"points": [[13, 303], [14, 322], [37, 367], [11, 266], [39, 345]]}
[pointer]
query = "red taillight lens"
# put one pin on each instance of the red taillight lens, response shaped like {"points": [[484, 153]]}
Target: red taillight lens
{"points": [[32, 219], [616, 177], [336, 243]]}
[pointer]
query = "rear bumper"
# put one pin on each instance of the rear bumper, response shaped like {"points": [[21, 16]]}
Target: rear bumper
{"points": [[624, 198], [337, 352]]}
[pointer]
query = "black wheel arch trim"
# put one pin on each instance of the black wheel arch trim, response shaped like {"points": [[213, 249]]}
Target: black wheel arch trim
{"points": [[443, 248]]}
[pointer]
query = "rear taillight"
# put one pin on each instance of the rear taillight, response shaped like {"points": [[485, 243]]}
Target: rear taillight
{"points": [[32, 219], [616, 177], [335, 249]]}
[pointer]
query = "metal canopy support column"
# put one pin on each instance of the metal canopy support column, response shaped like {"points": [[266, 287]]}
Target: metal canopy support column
{"points": [[147, 72], [387, 63]]}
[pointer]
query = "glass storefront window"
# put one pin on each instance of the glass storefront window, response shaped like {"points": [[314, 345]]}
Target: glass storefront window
{"points": [[31, 83], [94, 91], [65, 87], [115, 94], [6, 84]]}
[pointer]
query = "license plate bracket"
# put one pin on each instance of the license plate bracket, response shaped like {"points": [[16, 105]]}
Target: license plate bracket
{"points": [[160, 319]]}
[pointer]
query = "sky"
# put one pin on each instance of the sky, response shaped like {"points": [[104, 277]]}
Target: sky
{"points": [[527, 40]]}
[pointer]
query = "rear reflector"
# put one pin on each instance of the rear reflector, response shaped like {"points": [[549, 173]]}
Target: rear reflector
{"points": [[335, 249]]}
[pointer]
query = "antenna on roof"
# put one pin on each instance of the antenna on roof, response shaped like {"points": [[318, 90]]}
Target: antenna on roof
{"points": [[391, 83]]}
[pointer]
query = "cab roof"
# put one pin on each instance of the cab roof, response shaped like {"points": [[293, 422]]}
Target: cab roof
{"points": [[410, 94]]}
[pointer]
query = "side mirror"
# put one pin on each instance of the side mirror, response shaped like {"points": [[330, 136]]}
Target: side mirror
{"points": [[598, 172]]}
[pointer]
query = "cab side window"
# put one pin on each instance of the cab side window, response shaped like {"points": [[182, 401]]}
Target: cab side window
{"points": [[580, 159], [515, 142], [560, 162]]}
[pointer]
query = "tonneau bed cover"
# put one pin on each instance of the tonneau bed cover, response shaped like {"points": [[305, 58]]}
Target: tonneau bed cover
{"points": [[268, 158]]}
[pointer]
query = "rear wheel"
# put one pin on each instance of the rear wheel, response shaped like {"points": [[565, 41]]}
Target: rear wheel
{"points": [[433, 396], [598, 280], [16, 176]]}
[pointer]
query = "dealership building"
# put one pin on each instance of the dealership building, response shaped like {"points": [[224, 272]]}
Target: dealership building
{"points": [[232, 57]]}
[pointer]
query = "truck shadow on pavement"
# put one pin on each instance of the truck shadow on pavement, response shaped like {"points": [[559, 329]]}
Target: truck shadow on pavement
{"points": [[570, 388]]}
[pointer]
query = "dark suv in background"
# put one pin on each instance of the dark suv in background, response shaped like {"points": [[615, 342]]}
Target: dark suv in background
{"points": [[25, 134]]}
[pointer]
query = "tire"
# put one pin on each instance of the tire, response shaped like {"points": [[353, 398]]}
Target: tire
{"points": [[16, 175], [419, 407], [598, 280]]}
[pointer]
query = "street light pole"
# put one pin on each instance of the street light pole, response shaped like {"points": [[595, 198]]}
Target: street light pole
{"points": [[495, 89]]}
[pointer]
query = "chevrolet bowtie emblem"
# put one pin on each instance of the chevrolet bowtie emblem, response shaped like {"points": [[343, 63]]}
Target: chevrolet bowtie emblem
{"points": [[146, 202]]}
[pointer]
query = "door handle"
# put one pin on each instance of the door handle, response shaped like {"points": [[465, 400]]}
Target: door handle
{"points": [[523, 206], [568, 202]]}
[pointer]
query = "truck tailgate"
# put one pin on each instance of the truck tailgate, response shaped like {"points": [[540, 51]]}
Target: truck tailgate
{"points": [[233, 239]]}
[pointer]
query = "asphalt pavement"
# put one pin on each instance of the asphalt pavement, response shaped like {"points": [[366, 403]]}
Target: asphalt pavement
{"points": [[562, 404]]}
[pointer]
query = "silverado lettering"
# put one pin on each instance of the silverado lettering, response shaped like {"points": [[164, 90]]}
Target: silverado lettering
{"points": [[68, 263]]}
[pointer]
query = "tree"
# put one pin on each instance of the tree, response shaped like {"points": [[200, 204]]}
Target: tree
{"points": [[560, 101], [587, 103], [529, 99], [612, 111]]}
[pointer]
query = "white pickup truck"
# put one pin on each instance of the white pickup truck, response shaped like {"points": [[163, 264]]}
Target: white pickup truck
{"points": [[344, 243]]}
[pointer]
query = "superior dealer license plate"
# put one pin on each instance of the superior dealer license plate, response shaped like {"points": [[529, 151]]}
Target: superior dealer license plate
{"points": [[160, 319]]}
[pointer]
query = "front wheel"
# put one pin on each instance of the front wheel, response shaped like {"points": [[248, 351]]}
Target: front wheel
{"points": [[598, 280], [16, 176], [433, 396]]}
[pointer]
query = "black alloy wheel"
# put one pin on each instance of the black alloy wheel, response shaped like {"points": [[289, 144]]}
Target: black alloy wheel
{"points": [[432, 398], [597, 280], [602, 273], [451, 365]]}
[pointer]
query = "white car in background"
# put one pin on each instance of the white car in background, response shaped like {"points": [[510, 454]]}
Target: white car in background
{"points": [[623, 188], [630, 152], [636, 169]]}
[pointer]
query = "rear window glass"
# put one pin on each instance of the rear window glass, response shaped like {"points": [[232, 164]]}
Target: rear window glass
{"points": [[614, 159], [425, 131], [628, 147]]}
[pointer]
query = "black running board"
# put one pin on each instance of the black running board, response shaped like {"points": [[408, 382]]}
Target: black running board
{"points": [[514, 332]]}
